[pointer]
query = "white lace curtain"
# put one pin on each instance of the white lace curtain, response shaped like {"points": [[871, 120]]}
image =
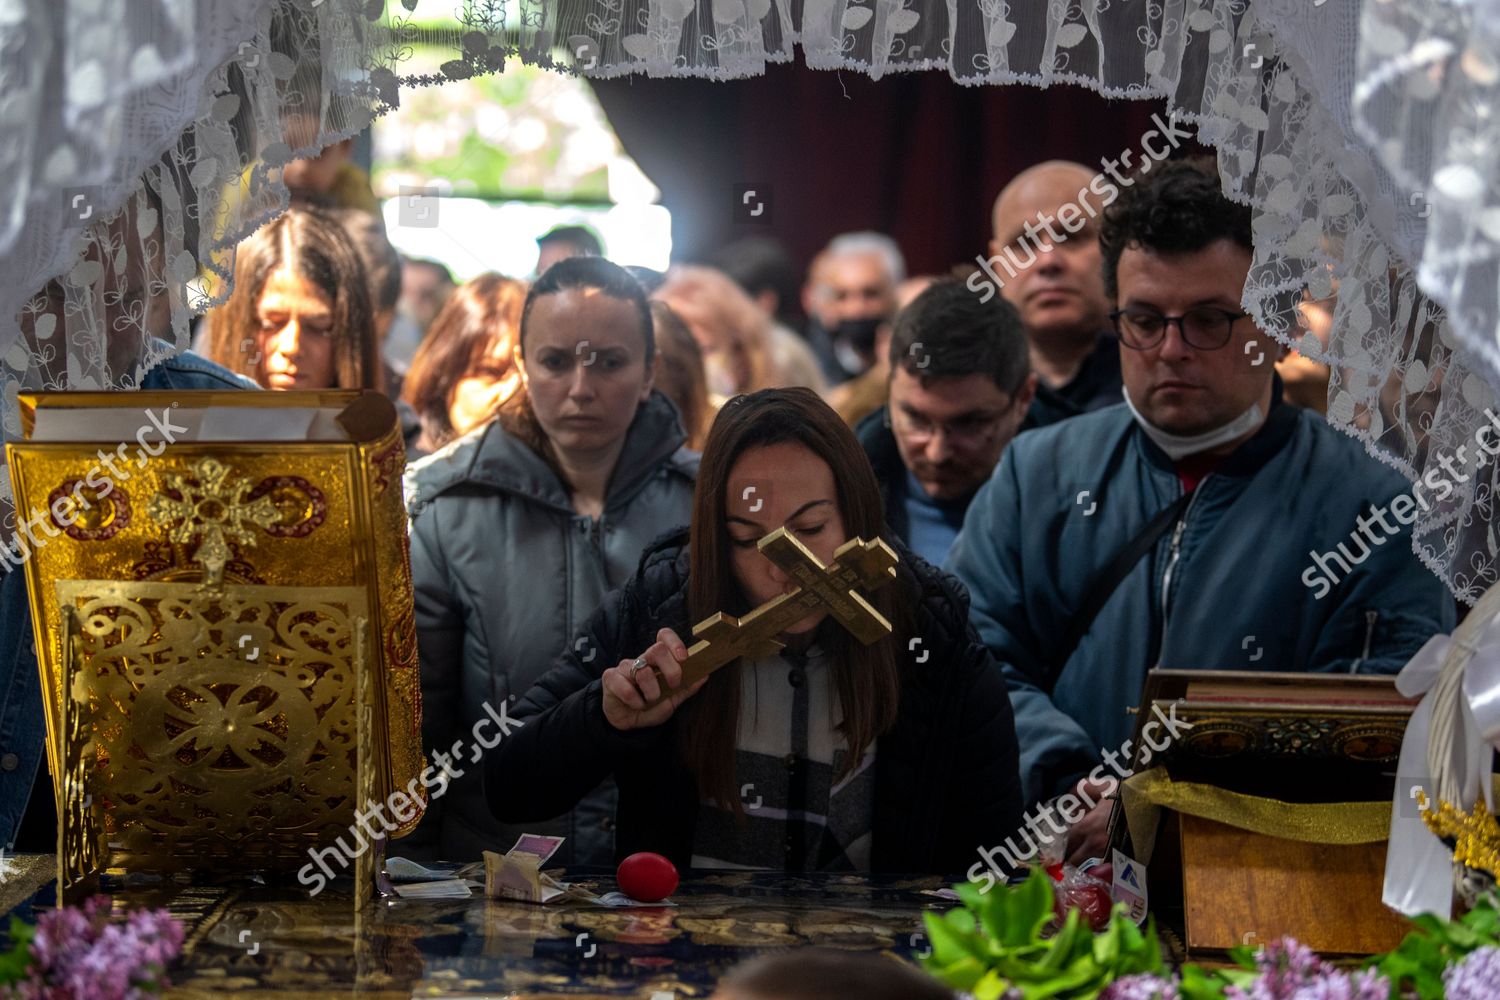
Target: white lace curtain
{"points": [[146, 137]]}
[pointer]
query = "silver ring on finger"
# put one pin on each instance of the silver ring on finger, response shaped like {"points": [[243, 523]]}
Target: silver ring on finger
{"points": [[636, 666]]}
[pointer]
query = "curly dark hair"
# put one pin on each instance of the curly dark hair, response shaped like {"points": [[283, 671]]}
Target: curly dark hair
{"points": [[1171, 207]]}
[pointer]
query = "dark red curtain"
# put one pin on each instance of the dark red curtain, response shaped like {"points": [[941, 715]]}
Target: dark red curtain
{"points": [[914, 155]]}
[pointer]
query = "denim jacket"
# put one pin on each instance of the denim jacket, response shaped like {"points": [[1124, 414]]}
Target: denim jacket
{"points": [[23, 728]]}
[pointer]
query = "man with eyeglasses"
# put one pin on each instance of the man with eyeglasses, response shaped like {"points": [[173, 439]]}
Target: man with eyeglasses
{"points": [[1173, 530], [959, 387]]}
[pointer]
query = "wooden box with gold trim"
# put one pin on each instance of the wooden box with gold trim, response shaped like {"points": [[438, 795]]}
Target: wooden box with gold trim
{"points": [[1261, 803], [221, 589]]}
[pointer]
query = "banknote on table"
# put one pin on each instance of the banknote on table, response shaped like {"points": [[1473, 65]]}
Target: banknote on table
{"points": [[448, 888], [541, 847], [401, 869], [513, 876], [517, 874]]}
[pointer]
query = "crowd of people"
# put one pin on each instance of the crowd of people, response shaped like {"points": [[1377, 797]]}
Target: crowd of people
{"points": [[1084, 476]]}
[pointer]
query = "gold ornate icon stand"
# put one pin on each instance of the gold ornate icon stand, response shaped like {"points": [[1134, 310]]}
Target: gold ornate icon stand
{"points": [[225, 636], [202, 754], [858, 563]]}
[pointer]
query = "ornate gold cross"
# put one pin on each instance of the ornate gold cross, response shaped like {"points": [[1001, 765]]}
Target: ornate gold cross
{"points": [[857, 563], [213, 505]]}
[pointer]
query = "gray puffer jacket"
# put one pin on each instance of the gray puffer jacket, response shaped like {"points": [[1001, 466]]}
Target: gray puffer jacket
{"points": [[506, 572]]}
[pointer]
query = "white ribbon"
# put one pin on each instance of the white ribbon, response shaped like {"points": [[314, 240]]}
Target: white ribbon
{"points": [[1446, 752]]}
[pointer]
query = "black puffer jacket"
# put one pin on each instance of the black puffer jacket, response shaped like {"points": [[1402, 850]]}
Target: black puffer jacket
{"points": [[946, 773]]}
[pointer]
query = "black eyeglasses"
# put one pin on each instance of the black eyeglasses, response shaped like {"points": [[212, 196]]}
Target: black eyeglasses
{"points": [[1205, 328]]}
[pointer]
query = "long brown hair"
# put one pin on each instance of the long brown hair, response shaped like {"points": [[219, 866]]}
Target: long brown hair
{"points": [[313, 244], [681, 376], [477, 315], [865, 677]]}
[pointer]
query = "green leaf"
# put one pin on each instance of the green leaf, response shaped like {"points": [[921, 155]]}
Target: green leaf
{"points": [[1485, 919], [1201, 984], [1435, 926], [1418, 962], [994, 915], [1060, 948], [1464, 938], [1083, 976], [994, 942], [961, 922], [1429, 984], [15, 962], [963, 974], [1148, 946], [1239, 977], [1243, 956], [991, 987], [1398, 965], [1107, 945], [949, 944], [973, 897], [1033, 901]]}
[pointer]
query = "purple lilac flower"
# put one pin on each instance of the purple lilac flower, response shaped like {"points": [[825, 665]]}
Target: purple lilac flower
{"points": [[78, 954], [1142, 986], [1477, 977], [1288, 970]]}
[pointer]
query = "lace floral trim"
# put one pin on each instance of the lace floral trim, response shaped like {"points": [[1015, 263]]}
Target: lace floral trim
{"points": [[1362, 137]]}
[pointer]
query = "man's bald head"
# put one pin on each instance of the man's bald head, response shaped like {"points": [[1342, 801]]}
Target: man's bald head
{"points": [[1047, 185], [1046, 231]]}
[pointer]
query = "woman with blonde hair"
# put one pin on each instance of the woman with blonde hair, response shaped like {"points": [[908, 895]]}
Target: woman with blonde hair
{"points": [[465, 370], [742, 349]]}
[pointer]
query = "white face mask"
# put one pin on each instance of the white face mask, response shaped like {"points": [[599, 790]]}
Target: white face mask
{"points": [[1178, 446]]}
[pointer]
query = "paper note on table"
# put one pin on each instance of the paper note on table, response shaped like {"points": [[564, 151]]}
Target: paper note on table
{"points": [[513, 876], [406, 870], [518, 874], [619, 899], [540, 847], [448, 888]]}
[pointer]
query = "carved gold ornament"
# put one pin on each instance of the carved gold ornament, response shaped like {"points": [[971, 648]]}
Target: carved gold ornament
{"points": [[211, 505]]}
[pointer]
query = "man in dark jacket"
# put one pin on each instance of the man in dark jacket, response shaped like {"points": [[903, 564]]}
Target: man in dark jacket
{"points": [[945, 778], [1055, 285], [959, 388], [850, 294], [1240, 487]]}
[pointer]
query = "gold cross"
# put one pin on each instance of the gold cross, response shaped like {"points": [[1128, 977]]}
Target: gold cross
{"points": [[213, 505], [857, 563]]}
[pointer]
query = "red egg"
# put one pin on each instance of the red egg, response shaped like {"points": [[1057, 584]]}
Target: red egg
{"points": [[647, 877]]}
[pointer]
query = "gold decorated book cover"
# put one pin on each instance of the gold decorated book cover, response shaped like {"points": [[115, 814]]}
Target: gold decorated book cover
{"points": [[1262, 802], [221, 591]]}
